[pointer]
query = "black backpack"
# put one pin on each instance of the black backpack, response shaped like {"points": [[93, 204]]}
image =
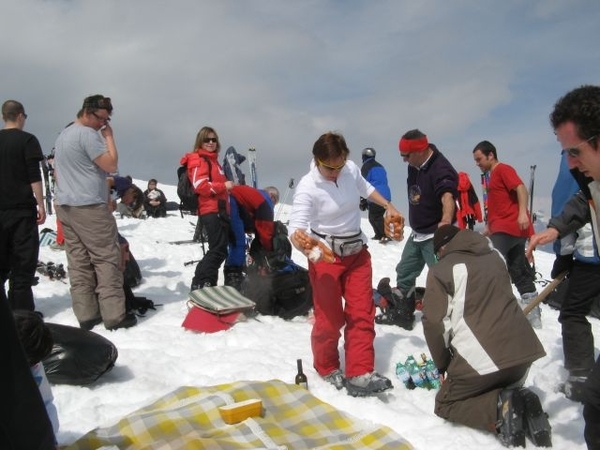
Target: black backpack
{"points": [[282, 250], [188, 199], [286, 293]]}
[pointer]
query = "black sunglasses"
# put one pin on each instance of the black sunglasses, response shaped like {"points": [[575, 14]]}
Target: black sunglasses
{"points": [[575, 151], [104, 119], [207, 140]]}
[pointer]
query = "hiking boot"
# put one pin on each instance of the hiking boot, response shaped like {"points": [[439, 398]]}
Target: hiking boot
{"points": [[537, 427], [384, 288], [89, 324], [510, 425], [234, 276], [196, 286], [573, 387], [129, 321], [367, 384], [336, 378], [535, 315]]}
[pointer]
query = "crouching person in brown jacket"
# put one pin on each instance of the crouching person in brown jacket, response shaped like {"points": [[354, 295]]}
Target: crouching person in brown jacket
{"points": [[478, 335]]}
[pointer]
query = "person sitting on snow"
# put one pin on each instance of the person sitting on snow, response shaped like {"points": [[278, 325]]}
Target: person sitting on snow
{"points": [[479, 337], [155, 201]]}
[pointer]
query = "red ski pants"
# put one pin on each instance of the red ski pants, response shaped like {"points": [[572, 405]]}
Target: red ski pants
{"points": [[350, 278]]}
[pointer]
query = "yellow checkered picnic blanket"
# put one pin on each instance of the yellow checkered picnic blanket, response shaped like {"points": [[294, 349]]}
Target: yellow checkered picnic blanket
{"points": [[188, 418]]}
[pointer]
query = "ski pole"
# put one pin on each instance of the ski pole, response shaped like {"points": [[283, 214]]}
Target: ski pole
{"points": [[192, 261], [531, 186], [285, 196], [547, 290]]}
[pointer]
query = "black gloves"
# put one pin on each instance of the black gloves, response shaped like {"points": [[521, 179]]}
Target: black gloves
{"points": [[363, 205], [561, 263]]}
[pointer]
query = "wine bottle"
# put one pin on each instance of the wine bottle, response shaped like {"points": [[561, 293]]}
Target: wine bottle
{"points": [[300, 377]]}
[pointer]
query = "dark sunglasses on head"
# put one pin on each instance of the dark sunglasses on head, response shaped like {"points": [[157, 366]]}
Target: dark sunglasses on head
{"points": [[575, 151], [207, 140]]}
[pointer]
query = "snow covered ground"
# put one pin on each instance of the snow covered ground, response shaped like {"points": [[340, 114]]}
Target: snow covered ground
{"points": [[158, 355]]}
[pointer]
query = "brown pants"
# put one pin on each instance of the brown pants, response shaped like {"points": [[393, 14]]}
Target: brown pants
{"points": [[94, 258], [473, 400]]}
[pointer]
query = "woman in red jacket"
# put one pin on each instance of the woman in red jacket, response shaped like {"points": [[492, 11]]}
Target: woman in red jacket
{"points": [[207, 177]]}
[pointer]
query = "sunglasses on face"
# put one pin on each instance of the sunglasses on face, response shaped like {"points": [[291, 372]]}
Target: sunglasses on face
{"points": [[207, 140], [575, 151], [102, 119], [331, 168]]}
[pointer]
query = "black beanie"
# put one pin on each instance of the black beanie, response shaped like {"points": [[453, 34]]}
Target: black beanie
{"points": [[443, 235]]}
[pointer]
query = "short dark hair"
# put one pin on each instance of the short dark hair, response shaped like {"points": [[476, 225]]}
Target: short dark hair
{"points": [[486, 147], [330, 145], [34, 334], [582, 107], [414, 134], [11, 110], [95, 102]]}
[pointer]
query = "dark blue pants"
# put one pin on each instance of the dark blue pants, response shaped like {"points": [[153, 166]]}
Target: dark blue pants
{"points": [[236, 256], [376, 213]]}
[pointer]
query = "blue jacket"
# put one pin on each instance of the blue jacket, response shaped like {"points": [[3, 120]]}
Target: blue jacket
{"points": [[375, 174]]}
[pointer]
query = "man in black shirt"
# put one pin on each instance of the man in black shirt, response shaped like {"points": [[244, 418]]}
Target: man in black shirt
{"points": [[21, 206]]}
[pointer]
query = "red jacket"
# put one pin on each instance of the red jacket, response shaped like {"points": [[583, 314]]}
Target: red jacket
{"points": [[468, 203], [259, 210], [210, 187]]}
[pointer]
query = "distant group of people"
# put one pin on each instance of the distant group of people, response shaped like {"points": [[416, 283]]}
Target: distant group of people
{"points": [[478, 336]]}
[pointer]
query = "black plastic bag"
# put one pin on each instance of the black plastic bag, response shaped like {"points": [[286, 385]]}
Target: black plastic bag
{"points": [[78, 357]]}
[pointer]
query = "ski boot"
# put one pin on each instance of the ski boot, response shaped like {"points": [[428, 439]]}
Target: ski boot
{"points": [[400, 308]]}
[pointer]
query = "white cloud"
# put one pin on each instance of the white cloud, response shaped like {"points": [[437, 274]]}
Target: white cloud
{"points": [[275, 75]]}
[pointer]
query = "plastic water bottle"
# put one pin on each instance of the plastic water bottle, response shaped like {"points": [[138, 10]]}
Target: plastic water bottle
{"points": [[433, 375], [416, 372], [404, 376]]}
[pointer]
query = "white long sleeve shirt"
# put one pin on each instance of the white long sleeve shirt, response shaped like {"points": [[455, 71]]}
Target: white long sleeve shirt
{"points": [[329, 207]]}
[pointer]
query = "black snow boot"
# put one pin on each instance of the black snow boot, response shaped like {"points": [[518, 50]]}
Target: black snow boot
{"points": [[234, 276]]}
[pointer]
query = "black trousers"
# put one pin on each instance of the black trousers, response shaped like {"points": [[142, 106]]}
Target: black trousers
{"points": [[24, 422], [19, 250], [217, 230], [513, 250], [376, 213], [578, 340], [591, 408]]}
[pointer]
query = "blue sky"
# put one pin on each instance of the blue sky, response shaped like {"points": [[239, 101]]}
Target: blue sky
{"points": [[274, 75]]}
